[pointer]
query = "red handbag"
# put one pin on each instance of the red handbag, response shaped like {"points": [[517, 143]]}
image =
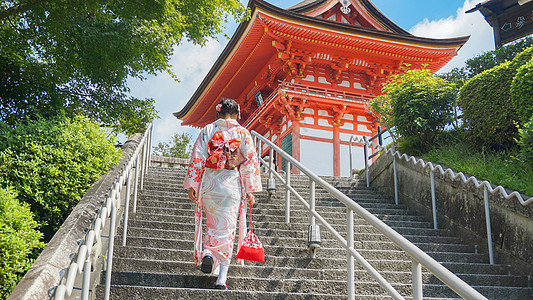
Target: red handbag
{"points": [[251, 248]]}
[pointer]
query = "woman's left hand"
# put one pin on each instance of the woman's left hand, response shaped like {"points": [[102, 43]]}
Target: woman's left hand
{"points": [[250, 198]]}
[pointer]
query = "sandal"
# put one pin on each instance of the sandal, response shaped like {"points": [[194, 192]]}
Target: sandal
{"points": [[221, 287], [207, 264]]}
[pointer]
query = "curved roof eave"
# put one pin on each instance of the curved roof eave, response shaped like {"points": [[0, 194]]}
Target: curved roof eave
{"points": [[254, 4], [309, 5]]}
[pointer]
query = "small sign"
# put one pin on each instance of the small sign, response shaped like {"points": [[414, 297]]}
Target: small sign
{"points": [[515, 22], [259, 98]]}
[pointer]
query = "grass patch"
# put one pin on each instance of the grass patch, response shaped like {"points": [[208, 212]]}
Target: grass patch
{"points": [[504, 168]]}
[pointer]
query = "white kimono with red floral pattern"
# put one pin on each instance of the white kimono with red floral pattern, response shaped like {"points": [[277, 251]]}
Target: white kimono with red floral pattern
{"points": [[221, 192]]}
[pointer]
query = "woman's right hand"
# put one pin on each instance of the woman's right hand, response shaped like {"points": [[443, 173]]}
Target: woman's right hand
{"points": [[250, 198], [192, 194]]}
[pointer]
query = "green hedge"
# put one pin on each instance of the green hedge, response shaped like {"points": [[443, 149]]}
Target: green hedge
{"points": [[522, 92], [52, 163], [18, 240], [489, 115]]}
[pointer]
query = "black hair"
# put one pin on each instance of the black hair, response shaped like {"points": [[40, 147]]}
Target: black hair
{"points": [[228, 106]]}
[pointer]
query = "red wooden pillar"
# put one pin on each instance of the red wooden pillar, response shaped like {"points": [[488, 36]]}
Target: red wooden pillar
{"points": [[336, 151]]}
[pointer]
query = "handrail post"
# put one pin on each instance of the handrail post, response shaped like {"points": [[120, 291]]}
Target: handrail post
{"points": [[395, 179], [350, 258], [487, 217], [312, 201], [351, 165], [380, 138], [271, 185], [136, 184], [416, 268], [126, 209], [149, 147], [288, 193], [365, 150], [86, 280], [143, 165], [433, 200], [109, 266]]}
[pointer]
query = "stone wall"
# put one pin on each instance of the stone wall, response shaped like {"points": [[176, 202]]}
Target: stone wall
{"points": [[169, 162], [460, 207]]}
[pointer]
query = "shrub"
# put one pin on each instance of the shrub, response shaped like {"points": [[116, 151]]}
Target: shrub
{"points": [[526, 142], [488, 115], [522, 92], [488, 112], [52, 163], [18, 239], [421, 106]]}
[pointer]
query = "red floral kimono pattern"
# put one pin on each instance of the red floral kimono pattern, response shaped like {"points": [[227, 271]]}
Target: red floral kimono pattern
{"points": [[220, 191]]}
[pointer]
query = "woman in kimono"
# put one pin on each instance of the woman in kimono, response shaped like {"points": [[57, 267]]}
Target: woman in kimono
{"points": [[221, 191]]}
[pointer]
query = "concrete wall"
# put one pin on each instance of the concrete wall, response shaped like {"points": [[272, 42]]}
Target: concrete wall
{"points": [[460, 207]]}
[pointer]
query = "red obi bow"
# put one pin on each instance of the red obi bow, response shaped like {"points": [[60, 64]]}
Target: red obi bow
{"points": [[216, 145]]}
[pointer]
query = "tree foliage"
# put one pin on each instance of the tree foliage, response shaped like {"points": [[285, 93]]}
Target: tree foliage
{"points": [[19, 238], [179, 146], [419, 106], [52, 162], [486, 61], [77, 55]]}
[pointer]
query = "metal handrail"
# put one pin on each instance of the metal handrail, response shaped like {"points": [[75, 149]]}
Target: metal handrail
{"points": [[82, 262], [487, 187], [419, 258]]}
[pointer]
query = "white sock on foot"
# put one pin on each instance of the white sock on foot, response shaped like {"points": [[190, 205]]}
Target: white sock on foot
{"points": [[223, 275]]}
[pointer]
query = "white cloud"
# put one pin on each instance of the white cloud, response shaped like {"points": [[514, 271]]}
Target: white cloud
{"points": [[462, 24]]}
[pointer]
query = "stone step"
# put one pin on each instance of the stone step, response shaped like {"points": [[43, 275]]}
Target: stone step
{"points": [[275, 221], [301, 251], [376, 245], [134, 292], [174, 202], [290, 241], [286, 285], [266, 271], [328, 214]]}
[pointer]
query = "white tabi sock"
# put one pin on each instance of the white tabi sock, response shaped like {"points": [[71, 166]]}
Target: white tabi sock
{"points": [[223, 275]]}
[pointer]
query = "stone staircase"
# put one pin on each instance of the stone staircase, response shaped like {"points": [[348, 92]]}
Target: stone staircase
{"points": [[157, 262]]}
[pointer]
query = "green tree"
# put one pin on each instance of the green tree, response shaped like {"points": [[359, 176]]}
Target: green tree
{"points": [[421, 106], [19, 238], [77, 55], [486, 61], [179, 146], [52, 162]]}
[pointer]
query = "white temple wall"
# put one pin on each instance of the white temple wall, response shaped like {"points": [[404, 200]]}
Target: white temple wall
{"points": [[317, 156]]}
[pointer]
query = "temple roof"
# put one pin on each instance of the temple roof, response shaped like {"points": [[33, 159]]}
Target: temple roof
{"points": [[251, 48], [307, 7]]}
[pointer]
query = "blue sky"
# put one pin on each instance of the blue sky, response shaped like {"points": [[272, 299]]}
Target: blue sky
{"points": [[428, 18]]}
